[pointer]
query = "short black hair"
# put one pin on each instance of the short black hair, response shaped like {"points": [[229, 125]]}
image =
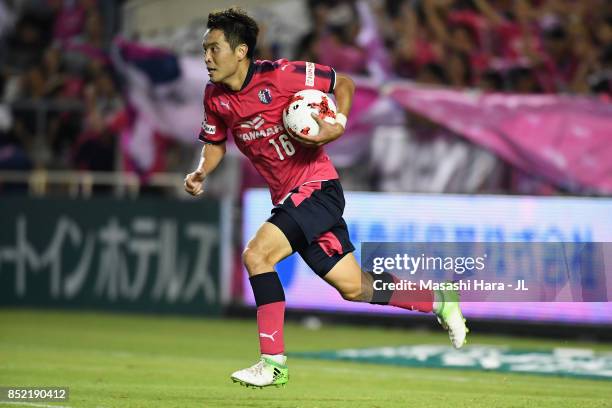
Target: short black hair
{"points": [[238, 27]]}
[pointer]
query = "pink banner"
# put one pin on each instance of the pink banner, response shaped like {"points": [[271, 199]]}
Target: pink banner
{"points": [[565, 139], [368, 110], [164, 92]]}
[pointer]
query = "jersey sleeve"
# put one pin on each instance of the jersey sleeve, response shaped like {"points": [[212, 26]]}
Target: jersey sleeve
{"points": [[213, 130], [299, 75]]}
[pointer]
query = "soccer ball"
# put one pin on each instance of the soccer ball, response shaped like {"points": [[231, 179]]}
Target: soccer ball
{"points": [[296, 116]]}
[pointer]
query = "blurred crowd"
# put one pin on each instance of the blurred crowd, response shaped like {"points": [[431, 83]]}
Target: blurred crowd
{"points": [[525, 46], [59, 100], [61, 105], [510, 46]]}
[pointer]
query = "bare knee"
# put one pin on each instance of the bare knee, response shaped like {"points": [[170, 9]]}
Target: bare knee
{"points": [[352, 293], [256, 261]]}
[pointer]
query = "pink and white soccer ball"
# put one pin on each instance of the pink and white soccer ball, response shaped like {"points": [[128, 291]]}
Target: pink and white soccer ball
{"points": [[297, 115]]}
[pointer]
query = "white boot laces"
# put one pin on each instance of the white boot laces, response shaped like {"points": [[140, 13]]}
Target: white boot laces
{"points": [[257, 369]]}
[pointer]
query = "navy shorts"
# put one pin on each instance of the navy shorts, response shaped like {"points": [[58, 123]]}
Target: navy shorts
{"points": [[311, 219]]}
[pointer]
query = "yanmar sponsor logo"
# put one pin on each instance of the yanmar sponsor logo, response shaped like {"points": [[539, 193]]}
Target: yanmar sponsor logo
{"points": [[310, 74], [253, 124], [258, 134], [210, 129]]}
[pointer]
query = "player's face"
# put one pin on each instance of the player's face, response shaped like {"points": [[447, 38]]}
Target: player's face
{"points": [[221, 61]]}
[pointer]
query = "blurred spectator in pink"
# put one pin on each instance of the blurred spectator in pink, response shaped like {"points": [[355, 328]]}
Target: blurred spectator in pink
{"points": [[337, 43]]}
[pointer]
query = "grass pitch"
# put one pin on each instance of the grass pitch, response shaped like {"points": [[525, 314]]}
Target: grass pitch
{"points": [[147, 361]]}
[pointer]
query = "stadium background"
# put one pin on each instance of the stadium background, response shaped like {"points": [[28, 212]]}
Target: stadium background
{"points": [[473, 121]]}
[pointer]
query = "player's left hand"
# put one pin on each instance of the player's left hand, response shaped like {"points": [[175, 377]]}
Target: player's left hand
{"points": [[328, 132]]}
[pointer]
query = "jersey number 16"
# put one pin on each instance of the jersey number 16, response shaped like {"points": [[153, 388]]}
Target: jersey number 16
{"points": [[286, 144]]}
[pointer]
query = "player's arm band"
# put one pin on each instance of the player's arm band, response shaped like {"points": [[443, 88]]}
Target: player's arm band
{"points": [[332, 82], [208, 141], [341, 119]]}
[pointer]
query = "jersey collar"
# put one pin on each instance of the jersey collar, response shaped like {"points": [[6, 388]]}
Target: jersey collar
{"points": [[249, 75]]}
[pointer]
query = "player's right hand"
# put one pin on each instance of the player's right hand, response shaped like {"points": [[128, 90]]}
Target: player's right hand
{"points": [[194, 182]]}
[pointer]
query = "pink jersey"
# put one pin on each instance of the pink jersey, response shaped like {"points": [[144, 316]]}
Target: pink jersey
{"points": [[254, 115]]}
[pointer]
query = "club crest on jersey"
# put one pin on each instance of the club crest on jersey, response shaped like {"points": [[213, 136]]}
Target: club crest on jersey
{"points": [[265, 96]]}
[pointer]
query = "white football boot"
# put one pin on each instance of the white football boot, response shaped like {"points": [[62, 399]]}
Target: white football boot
{"points": [[270, 370], [448, 312]]}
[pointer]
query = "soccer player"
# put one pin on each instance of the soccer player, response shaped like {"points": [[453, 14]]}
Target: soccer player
{"points": [[247, 98]]}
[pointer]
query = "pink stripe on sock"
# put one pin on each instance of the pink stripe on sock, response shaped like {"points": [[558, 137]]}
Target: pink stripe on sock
{"points": [[421, 300], [270, 322]]}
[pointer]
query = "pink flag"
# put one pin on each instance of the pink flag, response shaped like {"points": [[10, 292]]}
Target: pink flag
{"points": [[369, 110], [564, 139]]}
